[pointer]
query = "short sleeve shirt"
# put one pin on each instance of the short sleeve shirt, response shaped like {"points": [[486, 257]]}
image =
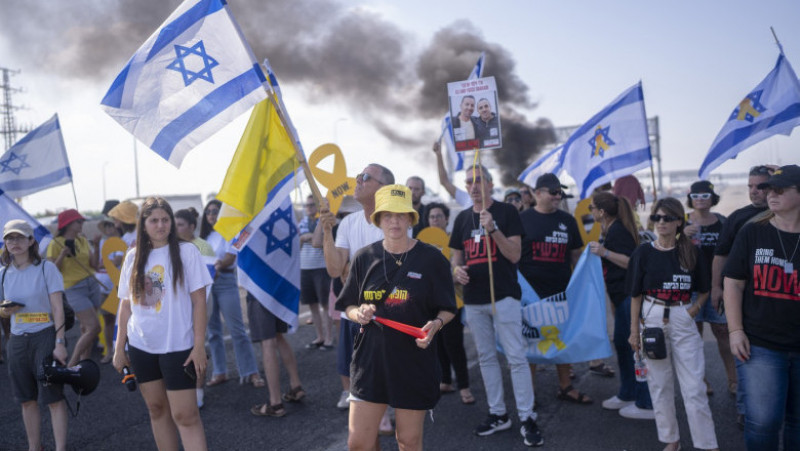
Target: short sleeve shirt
{"points": [[734, 223], [355, 232], [468, 236], [547, 243], [73, 269], [31, 286], [659, 274], [620, 241]]}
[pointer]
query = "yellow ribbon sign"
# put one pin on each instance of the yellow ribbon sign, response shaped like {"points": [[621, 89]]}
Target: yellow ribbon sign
{"points": [[582, 212], [437, 238], [337, 182], [550, 337], [112, 245]]}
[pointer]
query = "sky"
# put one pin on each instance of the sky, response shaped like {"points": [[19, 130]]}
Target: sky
{"points": [[361, 74]]}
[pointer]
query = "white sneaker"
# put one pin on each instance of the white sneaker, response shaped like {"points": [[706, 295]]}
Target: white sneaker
{"points": [[200, 403], [634, 413], [614, 403], [343, 403]]}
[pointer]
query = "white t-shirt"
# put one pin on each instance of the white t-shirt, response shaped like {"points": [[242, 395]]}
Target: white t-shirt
{"points": [[161, 321], [31, 287], [220, 246], [129, 238], [355, 232], [463, 198]]}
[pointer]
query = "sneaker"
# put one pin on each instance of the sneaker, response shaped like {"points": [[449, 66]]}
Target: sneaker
{"points": [[493, 423], [343, 403], [614, 403], [530, 432], [200, 402], [634, 413]]}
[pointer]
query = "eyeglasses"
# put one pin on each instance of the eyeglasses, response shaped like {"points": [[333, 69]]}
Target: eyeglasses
{"points": [[15, 239], [364, 177], [666, 218], [514, 199], [779, 189], [698, 196]]}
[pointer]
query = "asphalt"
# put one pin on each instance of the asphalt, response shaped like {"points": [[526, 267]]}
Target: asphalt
{"points": [[112, 418]]}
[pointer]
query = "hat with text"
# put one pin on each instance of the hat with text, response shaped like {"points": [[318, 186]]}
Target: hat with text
{"points": [[394, 199], [783, 177]]}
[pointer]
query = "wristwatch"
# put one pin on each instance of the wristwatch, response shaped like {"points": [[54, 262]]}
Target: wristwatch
{"points": [[60, 341]]}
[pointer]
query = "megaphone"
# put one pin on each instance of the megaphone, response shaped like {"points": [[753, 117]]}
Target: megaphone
{"points": [[83, 377]]}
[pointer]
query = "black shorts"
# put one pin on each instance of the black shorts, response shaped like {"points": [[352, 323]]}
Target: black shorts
{"points": [[315, 286], [152, 367], [25, 355], [263, 324]]}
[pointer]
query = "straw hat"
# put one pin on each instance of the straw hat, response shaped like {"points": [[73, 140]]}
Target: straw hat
{"points": [[126, 212], [395, 199]]}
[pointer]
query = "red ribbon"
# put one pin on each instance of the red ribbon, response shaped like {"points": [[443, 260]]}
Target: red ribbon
{"points": [[415, 332]]}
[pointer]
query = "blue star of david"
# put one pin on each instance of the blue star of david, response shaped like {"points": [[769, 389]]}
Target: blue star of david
{"points": [[273, 243], [14, 163], [600, 141], [189, 75], [753, 106]]}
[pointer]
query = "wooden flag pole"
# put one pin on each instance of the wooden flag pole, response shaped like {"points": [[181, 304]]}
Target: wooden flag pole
{"points": [[653, 178], [488, 241]]}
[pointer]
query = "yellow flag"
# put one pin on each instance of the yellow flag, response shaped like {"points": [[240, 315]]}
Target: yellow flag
{"points": [[263, 159]]}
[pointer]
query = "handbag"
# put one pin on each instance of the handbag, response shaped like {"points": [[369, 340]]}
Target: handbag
{"points": [[654, 343], [69, 313]]}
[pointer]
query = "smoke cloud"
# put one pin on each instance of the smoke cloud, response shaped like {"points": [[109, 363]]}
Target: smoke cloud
{"points": [[347, 55]]}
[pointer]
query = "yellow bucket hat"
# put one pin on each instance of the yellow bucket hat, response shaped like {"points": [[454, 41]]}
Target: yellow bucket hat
{"points": [[394, 199], [125, 212]]}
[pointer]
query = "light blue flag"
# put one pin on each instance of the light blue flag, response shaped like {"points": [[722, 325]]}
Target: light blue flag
{"points": [[37, 161], [11, 210], [771, 108], [612, 144], [194, 75], [549, 162], [457, 158], [568, 327], [269, 255]]}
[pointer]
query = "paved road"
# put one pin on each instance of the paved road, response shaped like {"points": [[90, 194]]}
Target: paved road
{"points": [[114, 419]]}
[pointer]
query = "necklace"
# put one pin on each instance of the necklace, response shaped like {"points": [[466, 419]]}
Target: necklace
{"points": [[660, 246], [398, 261], [788, 265]]}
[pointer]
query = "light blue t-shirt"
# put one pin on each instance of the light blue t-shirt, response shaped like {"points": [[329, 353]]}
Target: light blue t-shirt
{"points": [[31, 286]]}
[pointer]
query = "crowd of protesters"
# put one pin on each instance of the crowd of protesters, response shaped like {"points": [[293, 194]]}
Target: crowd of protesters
{"points": [[384, 256]]}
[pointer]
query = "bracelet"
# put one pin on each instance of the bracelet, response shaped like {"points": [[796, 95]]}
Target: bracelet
{"points": [[493, 230], [441, 321], [735, 330], [606, 254]]}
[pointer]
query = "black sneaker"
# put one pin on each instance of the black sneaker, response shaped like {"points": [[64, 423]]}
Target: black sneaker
{"points": [[530, 432], [493, 423]]}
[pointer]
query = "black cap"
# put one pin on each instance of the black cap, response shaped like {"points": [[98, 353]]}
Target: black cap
{"points": [[703, 186], [109, 205], [549, 181], [783, 177]]}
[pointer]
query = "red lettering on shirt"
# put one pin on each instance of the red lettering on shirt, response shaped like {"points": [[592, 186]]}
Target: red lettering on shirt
{"points": [[549, 252], [771, 281], [670, 295], [475, 253]]}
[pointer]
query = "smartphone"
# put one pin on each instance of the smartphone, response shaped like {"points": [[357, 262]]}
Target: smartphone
{"points": [[71, 245], [9, 303], [190, 371]]}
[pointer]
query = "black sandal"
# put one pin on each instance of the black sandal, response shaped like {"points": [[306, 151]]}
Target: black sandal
{"points": [[296, 394], [564, 395], [266, 410]]}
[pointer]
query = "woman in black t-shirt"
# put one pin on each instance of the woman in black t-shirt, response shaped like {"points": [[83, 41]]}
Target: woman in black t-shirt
{"points": [[704, 228], [762, 302], [404, 280], [620, 238], [662, 276]]}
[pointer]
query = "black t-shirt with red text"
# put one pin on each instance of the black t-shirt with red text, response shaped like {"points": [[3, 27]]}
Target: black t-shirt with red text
{"points": [[656, 273], [618, 240], [547, 244], [465, 230], [771, 298]]}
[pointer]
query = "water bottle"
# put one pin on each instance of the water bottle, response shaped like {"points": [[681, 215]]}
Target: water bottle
{"points": [[640, 367]]}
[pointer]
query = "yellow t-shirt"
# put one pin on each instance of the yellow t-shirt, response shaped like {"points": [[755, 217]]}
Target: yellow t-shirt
{"points": [[71, 271]]}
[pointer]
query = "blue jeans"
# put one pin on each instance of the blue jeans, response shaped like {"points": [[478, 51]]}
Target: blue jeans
{"points": [[629, 388], [225, 301], [772, 387]]}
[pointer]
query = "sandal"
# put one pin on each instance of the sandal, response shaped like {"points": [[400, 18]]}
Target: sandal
{"points": [[324, 347], [257, 380], [581, 398], [314, 345], [601, 369], [266, 410], [216, 380], [296, 394], [446, 388], [467, 398]]}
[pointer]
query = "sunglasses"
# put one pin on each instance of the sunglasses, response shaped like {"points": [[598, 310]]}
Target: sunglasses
{"points": [[555, 192], [514, 199], [364, 177], [699, 196], [592, 207], [666, 218], [211, 212], [473, 181], [779, 189]]}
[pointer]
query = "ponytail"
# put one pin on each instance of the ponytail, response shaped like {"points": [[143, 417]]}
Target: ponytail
{"points": [[618, 208]]}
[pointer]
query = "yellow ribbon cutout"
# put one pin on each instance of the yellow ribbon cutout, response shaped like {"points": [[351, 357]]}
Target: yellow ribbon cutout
{"points": [[111, 245], [581, 212], [337, 182], [745, 108], [550, 337], [599, 143]]}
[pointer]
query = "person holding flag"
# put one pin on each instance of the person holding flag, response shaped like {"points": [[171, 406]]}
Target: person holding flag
{"points": [[404, 280]]}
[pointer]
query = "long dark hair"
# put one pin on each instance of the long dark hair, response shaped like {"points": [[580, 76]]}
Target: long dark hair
{"points": [[33, 254], [618, 208], [205, 227], [687, 252], [144, 246]]}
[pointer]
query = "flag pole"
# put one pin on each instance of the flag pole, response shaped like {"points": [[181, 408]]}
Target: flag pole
{"points": [[777, 41], [653, 178], [74, 196], [488, 240]]}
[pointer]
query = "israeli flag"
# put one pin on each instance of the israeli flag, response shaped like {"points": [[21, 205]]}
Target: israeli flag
{"points": [[189, 79], [568, 327], [457, 158], [547, 163], [269, 255], [612, 144], [11, 210], [771, 108], [37, 161]]}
